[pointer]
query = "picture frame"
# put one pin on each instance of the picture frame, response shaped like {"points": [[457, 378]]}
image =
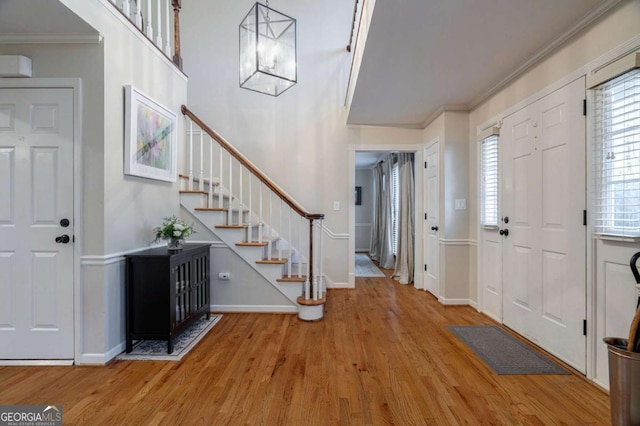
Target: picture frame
{"points": [[150, 140]]}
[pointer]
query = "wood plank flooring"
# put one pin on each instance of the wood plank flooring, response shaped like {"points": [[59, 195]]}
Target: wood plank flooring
{"points": [[382, 355]]}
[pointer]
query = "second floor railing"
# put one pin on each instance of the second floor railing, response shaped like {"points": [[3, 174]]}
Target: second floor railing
{"points": [[159, 20]]}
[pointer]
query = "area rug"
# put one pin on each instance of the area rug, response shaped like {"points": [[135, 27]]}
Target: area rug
{"points": [[156, 350], [504, 353], [365, 267]]}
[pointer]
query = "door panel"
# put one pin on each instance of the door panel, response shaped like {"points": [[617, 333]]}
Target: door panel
{"points": [[36, 192], [432, 206], [544, 252]]}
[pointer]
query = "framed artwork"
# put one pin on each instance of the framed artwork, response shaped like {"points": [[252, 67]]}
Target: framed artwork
{"points": [[358, 195], [150, 140]]}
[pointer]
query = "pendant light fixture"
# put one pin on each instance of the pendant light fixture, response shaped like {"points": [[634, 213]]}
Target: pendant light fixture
{"points": [[267, 51]]}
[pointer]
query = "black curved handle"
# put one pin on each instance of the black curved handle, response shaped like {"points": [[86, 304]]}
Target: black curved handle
{"points": [[634, 268], [434, 228], [504, 232]]}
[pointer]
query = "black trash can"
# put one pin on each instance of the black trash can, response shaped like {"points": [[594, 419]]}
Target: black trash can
{"points": [[624, 383]]}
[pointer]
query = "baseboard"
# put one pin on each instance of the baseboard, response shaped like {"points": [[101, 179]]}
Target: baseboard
{"points": [[333, 285], [453, 302], [35, 362], [101, 359], [473, 304], [265, 309]]}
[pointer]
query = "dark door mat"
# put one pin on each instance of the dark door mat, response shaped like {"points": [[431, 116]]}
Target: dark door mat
{"points": [[504, 353]]}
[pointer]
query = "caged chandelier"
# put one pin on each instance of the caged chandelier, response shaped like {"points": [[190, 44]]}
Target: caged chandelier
{"points": [[267, 51]]}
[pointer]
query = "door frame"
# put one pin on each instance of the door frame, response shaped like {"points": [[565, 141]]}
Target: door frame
{"points": [[74, 84], [418, 278]]}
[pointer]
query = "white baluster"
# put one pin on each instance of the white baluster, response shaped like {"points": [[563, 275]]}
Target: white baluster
{"points": [[249, 229], [167, 40], [201, 184], [138, 15], [280, 231], [159, 25], [321, 282], [148, 17], [290, 245], [300, 231], [220, 200], [307, 282], [315, 260], [230, 209], [270, 237], [190, 155], [211, 185], [260, 214], [125, 8], [240, 212]]}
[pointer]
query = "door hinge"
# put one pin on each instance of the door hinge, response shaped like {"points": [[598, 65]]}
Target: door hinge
{"points": [[425, 164], [425, 216], [73, 238], [584, 107], [584, 217], [584, 327], [425, 268]]}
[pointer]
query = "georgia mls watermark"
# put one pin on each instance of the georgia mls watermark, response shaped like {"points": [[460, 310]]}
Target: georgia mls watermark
{"points": [[30, 415]]}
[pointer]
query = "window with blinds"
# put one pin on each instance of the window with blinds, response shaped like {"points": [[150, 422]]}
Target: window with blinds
{"points": [[489, 181], [395, 207], [616, 156]]}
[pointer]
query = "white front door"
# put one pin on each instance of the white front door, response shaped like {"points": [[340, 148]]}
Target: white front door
{"points": [[544, 262], [36, 201], [431, 223]]}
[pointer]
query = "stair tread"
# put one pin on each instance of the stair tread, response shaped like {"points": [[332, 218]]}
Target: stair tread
{"points": [[293, 279], [212, 209], [195, 191], [231, 226], [310, 302], [252, 244], [272, 261]]}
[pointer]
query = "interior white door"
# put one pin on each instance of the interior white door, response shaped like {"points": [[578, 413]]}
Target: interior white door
{"points": [[36, 196], [544, 252], [432, 223]]}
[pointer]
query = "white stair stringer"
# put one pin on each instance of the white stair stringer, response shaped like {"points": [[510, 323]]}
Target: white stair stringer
{"points": [[271, 272]]}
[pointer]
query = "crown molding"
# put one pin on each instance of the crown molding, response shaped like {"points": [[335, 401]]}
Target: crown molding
{"points": [[586, 20]]}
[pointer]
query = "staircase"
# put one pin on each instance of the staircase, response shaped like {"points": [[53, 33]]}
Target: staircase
{"points": [[254, 217]]}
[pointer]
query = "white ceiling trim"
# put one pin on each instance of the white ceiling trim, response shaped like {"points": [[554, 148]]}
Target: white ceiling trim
{"points": [[535, 59], [441, 110], [50, 39]]}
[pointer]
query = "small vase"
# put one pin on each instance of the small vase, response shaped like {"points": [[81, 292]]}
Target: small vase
{"points": [[174, 244]]}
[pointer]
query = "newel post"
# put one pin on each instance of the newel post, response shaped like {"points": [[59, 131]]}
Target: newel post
{"points": [[177, 58]]}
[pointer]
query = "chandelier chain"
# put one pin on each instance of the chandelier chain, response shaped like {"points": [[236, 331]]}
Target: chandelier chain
{"points": [[267, 17]]}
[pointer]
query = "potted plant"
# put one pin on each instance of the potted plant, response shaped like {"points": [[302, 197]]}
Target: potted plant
{"points": [[174, 231]]}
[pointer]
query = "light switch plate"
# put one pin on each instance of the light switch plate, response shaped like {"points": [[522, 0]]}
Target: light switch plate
{"points": [[336, 205], [461, 204]]}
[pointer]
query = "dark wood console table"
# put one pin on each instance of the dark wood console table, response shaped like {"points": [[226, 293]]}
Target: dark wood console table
{"points": [[166, 292]]}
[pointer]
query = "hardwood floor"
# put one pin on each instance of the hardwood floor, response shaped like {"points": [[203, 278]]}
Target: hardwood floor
{"points": [[382, 355]]}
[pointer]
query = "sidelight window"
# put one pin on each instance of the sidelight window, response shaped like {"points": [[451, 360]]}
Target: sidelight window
{"points": [[489, 181]]}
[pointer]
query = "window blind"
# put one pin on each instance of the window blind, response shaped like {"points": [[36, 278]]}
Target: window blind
{"points": [[490, 180], [395, 207], [616, 156]]}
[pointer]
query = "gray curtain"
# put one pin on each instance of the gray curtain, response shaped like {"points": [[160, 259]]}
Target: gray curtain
{"points": [[404, 265], [374, 247], [382, 250]]}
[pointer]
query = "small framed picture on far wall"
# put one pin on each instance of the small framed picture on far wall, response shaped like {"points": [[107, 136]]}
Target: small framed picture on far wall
{"points": [[358, 195]]}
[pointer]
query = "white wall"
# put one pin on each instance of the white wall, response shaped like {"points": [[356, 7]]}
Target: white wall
{"points": [[611, 293], [299, 139], [364, 212]]}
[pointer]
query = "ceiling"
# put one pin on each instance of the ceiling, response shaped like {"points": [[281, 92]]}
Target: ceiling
{"points": [[422, 57], [24, 19]]}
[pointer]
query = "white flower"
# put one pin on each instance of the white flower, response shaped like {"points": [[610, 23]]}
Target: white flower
{"points": [[177, 233], [178, 227]]}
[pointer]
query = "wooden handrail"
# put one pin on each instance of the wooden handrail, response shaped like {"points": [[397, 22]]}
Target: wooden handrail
{"points": [[353, 56], [253, 169]]}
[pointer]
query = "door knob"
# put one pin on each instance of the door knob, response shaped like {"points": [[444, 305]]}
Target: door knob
{"points": [[63, 239], [504, 232], [506, 219], [434, 228], [64, 222]]}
